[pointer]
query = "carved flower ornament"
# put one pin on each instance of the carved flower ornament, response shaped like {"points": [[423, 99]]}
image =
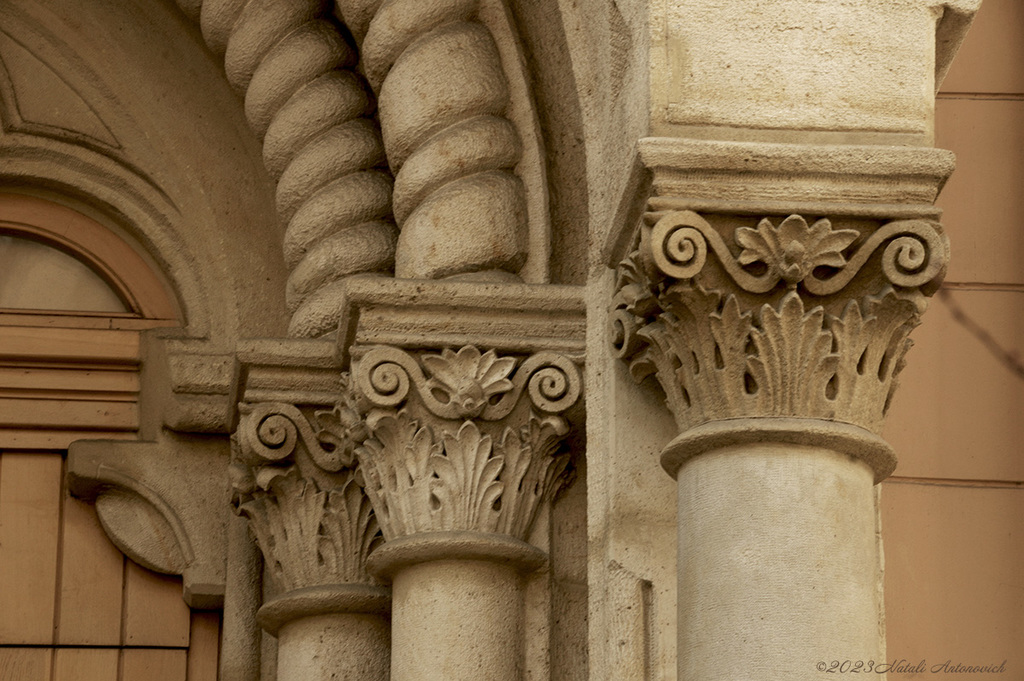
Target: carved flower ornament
{"points": [[468, 379], [793, 250]]}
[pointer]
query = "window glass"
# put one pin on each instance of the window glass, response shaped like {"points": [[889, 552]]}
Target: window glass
{"points": [[34, 276]]}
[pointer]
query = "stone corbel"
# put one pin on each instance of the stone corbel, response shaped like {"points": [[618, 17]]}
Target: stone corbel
{"points": [[163, 504], [162, 501]]}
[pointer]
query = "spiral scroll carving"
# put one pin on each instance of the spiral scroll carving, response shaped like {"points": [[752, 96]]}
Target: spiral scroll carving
{"points": [[443, 99], [915, 252], [468, 384], [313, 111], [269, 432]]}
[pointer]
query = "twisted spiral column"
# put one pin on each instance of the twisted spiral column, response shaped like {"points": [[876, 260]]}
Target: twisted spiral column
{"points": [[443, 101], [313, 112]]}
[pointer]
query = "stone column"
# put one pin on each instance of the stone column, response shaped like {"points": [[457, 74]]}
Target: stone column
{"points": [[776, 244], [464, 447], [296, 480], [776, 329]]}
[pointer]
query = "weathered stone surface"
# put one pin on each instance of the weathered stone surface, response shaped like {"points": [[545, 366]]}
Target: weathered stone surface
{"points": [[780, 173]]}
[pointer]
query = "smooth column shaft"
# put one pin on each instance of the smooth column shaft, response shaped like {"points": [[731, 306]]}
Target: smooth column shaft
{"points": [[334, 647], [778, 563], [457, 620]]}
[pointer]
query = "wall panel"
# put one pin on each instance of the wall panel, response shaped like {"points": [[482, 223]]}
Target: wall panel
{"points": [[89, 613]]}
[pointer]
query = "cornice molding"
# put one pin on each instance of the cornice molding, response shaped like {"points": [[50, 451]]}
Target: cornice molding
{"points": [[506, 317], [761, 179]]}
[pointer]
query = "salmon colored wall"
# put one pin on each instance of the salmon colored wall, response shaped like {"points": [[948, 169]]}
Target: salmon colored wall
{"points": [[953, 515]]}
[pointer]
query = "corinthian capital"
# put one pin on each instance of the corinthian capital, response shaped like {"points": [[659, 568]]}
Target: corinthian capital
{"points": [[295, 478], [791, 317], [463, 441]]}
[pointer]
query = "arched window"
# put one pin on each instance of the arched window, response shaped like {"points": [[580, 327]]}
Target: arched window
{"points": [[58, 262], [74, 298]]}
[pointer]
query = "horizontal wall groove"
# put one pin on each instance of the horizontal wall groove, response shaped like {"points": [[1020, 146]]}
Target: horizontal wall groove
{"points": [[956, 482]]}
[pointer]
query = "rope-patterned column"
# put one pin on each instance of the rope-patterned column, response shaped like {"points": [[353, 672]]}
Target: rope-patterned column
{"points": [[443, 101], [320, 144]]}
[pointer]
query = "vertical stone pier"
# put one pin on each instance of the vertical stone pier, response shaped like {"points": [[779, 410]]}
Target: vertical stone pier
{"points": [[775, 248]]}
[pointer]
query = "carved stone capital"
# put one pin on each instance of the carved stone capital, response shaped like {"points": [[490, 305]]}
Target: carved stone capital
{"points": [[295, 479], [792, 316], [463, 441]]}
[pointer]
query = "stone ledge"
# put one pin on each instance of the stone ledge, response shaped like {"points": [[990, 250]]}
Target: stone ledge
{"points": [[768, 178], [506, 317]]}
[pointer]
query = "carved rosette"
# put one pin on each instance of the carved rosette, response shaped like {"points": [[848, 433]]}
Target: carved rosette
{"points": [[463, 441], [295, 479], [786, 318]]}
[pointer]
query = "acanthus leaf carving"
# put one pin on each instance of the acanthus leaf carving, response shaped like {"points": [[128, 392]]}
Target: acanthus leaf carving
{"points": [[311, 536], [295, 477], [461, 480], [807, 345], [474, 444], [793, 361]]}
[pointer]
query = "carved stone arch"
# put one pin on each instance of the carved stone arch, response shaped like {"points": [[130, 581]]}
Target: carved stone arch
{"points": [[467, 155]]}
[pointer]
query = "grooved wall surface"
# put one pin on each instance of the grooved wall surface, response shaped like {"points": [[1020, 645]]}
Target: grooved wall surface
{"points": [[953, 515]]}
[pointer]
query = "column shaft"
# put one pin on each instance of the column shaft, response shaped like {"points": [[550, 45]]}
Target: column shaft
{"points": [[778, 563], [457, 620], [334, 647]]}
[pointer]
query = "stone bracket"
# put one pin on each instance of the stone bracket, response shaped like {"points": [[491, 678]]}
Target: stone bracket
{"points": [[164, 504]]}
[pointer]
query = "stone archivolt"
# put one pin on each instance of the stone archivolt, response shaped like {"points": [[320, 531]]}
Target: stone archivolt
{"points": [[823, 335], [295, 480], [426, 90], [455, 448], [312, 109]]}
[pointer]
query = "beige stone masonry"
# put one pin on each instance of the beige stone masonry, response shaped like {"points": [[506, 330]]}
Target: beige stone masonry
{"points": [[795, 71]]}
